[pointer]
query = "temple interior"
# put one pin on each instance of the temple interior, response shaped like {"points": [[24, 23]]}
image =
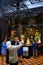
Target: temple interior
{"points": [[22, 21]]}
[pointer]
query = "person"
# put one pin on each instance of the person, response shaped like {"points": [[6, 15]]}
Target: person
{"points": [[10, 41], [18, 41], [39, 45], [13, 55], [8, 44], [35, 48], [28, 41], [38, 36], [3, 48], [20, 50]]}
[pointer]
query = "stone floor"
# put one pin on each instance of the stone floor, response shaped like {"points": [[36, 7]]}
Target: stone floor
{"points": [[24, 61]]}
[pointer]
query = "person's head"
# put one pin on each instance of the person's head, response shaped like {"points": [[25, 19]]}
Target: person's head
{"points": [[8, 39], [28, 39], [36, 30], [16, 39]]}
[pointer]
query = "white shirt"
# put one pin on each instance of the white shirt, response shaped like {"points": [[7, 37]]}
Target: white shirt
{"points": [[13, 53], [8, 44]]}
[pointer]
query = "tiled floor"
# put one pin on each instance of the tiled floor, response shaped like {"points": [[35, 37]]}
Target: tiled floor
{"points": [[24, 61]]}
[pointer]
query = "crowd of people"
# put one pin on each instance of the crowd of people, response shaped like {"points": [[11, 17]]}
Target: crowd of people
{"points": [[10, 48]]}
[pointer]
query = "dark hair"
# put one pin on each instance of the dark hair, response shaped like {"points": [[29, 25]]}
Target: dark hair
{"points": [[8, 39]]}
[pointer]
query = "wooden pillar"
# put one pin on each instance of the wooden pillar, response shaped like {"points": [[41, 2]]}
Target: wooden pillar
{"points": [[4, 28]]}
